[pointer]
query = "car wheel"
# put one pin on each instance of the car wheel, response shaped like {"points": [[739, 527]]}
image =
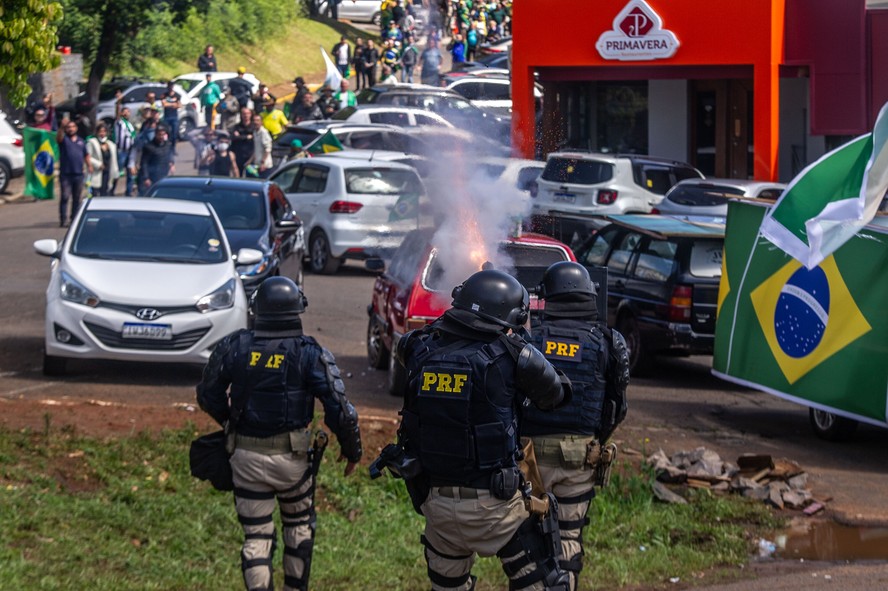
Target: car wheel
{"points": [[321, 260], [640, 361], [377, 19], [54, 366], [377, 354], [397, 377], [186, 126], [5, 175], [831, 427]]}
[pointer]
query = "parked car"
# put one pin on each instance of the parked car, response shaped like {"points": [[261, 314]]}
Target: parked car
{"points": [[710, 196], [361, 11], [501, 46], [499, 60], [490, 93], [391, 115], [575, 185], [663, 277], [412, 290], [441, 101], [440, 143], [254, 214], [81, 105], [370, 136], [12, 153], [192, 85], [142, 280], [351, 208]]}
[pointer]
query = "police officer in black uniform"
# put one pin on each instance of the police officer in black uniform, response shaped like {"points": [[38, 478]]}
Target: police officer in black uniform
{"points": [[458, 439], [272, 375], [569, 443]]}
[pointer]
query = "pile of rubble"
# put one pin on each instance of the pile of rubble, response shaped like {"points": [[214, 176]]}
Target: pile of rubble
{"points": [[781, 483]]}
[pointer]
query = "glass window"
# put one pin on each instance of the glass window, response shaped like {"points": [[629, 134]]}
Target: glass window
{"points": [[306, 136], [312, 180], [577, 171], [362, 140], [425, 120], [772, 194], [656, 260], [527, 177], [396, 142], [149, 236], [656, 180], [496, 92], [622, 117], [136, 95], [392, 118], [706, 258], [346, 112], [684, 172], [597, 252], [702, 195], [470, 90], [382, 181], [238, 209], [188, 85], [286, 177], [406, 260], [622, 254]]}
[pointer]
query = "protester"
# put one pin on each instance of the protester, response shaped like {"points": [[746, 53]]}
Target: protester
{"points": [[371, 56], [210, 97], [430, 62], [457, 48], [472, 42], [172, 102], [345, 97], [203, 149], [273, 119], [408, 60], [261, 158], [388, 77], [207, 61], [103, 157], [124, 137], [301, 91], [358, 64], [157, 160], [327, 103], [221, 159], [242, 139], [307, 110], [342, 56], [145, 136], [73, 160], [240, 88], [41, 121]]}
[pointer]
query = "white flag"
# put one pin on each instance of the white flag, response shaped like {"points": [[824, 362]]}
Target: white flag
{"points": [[334, 77]]}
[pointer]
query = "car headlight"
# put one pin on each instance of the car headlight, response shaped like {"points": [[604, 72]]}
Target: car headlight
{"points": [[73, 291], [220, 299], [259, 268]]}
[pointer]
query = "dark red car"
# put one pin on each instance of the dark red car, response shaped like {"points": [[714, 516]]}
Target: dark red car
{"points": [[414, 289]]}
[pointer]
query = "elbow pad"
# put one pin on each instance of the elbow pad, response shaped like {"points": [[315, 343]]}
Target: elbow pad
{"points": [[349, 435], [539, 381], [618, 374]]}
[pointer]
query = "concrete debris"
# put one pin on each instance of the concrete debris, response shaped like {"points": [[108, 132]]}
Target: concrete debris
{"points": [[779, 482]]}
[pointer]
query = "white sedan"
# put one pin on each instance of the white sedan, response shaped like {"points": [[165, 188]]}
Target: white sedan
{"points": [[142, 280]]}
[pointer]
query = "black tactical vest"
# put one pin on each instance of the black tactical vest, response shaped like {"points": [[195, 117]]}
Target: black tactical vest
{"points": [[279, 400], [459, 434], [580, 351]]}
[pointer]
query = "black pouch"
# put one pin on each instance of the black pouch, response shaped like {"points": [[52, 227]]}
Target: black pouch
{"points": [[209, 461], [418, 488], [504, 483]]}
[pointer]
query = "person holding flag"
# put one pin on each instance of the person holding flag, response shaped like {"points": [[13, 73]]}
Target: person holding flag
{"points": [[41, 152]]}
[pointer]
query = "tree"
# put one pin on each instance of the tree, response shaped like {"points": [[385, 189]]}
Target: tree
{"points": [[28, 38]]}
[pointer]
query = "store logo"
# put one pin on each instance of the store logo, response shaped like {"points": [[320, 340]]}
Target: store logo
{"points": [[638, 34]]}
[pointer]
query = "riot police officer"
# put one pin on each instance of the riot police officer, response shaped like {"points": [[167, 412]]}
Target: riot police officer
{"points": [[569, 443], [272, 375], [466, 377]]}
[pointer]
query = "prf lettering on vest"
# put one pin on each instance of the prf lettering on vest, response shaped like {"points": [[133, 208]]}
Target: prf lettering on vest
{"points": [[562, 350], [273, 361], [443, 382]]}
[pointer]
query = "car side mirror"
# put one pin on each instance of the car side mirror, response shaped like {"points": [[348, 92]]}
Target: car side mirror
{"points": [[248, 256], [287, 226], [375, 265], [47, 247]]}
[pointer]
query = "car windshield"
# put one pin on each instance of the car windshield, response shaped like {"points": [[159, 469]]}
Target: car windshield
{"points": [[188, 85], [306, 136], [530, 262], [706, 258], [702, 195], [154, 236], [576, 171], [238, 209], [382, 181], [343, 113]]}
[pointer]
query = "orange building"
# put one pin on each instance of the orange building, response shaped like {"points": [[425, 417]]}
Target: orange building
{"points": [[742, 89]]}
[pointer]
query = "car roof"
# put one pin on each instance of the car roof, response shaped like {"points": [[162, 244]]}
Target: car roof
{"points": [[408, 87], [744, 184], [330, 124], [663, 227], [367, 154], [345, 162], [203, 75], [613, 157], [147, 204], [211, 181]]}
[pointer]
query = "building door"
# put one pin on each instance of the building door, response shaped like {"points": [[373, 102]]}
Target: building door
{"points": [[721, 127]]}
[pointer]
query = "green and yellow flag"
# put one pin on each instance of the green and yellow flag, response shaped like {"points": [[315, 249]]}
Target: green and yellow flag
{"points": [[41, 152], [325, 144], [816, 336]]}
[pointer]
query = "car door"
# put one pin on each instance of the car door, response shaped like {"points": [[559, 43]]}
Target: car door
{"points": [[597, 255], [399, 118], [288, 246], [649, 281], [306, 190]]}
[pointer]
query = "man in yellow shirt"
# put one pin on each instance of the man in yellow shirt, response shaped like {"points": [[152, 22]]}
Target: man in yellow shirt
{"points": [[273, 119]]}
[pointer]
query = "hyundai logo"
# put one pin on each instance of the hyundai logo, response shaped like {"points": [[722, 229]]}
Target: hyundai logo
{"points": [[148, 314]]}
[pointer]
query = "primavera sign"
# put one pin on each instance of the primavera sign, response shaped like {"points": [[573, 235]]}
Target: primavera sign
{"points": [[638, 34]]}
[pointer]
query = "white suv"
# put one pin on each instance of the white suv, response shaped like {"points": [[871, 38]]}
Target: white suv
{"points": [[12, 153], [351, 208], [575, 185]]}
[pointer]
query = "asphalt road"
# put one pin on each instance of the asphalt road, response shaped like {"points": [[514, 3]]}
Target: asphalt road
{"points": [[683, 407]]}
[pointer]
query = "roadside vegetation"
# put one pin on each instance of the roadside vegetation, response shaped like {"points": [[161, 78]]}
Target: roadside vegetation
{"points": [[82, 513]]}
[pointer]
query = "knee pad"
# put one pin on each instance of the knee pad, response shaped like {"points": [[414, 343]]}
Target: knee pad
{"points": [[537, 553], [442, 580], [303, 552]]}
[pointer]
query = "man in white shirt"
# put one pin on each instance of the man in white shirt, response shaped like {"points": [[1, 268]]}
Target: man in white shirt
{"points": [[261, 158], [342, 55]]}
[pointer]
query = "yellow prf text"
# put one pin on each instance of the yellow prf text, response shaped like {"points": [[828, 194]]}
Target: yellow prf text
{"points": [[562, 349], [443, 382], [273, 361]]}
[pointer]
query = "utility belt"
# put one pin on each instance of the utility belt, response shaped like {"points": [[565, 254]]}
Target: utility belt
{"points": [[298, 442], [573, 452]]}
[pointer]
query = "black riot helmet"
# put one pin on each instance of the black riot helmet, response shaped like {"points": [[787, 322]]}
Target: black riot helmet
{"points": [[566, 278], [278, 299], [495, 296]]}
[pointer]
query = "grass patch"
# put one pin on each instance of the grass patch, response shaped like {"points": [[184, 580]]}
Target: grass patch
{"points": [[83, 513]]}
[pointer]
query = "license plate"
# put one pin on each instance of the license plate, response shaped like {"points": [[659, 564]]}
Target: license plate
{"points": [[158, 332], [565, 197]]}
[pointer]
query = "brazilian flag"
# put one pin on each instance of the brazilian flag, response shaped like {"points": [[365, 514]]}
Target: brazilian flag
{"points": [[407, 206], [326, 144], [41, 152]]}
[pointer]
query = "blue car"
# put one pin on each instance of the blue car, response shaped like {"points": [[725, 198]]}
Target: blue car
{"points": [[254, 214]]}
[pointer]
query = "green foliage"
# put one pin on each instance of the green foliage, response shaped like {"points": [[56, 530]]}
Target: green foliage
{"points": [[28, 37], [81, 513]]}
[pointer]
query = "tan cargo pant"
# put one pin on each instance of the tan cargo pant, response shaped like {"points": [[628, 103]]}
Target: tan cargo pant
{"points": [[459, 528], [571, 481], [260, 481]]}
